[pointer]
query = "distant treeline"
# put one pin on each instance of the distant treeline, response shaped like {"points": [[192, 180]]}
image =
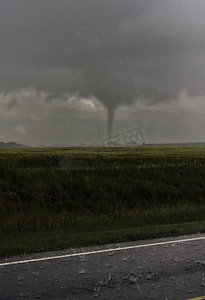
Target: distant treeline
{"points": [[10, 145]]}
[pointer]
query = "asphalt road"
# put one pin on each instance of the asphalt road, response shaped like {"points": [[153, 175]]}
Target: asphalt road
{"points": [[173, 270]]}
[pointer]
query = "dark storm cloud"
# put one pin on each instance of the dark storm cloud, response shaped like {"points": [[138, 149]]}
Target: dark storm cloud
{"points": [[11, 104], [115, 50]]}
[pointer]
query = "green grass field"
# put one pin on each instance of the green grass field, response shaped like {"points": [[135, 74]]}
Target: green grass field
{"points": [[53, 198]]}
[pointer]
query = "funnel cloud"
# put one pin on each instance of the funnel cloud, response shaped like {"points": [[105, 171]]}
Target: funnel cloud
{"points": [[110, 118], [117, 52]]}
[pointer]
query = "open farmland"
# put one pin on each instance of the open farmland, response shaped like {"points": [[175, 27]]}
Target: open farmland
{"points": [[53, 198]]}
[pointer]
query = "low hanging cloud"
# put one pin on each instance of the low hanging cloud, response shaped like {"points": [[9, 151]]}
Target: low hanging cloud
{"points": [[116, 51], [33, 119]]}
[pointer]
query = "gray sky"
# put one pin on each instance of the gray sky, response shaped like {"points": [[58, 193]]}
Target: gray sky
{"points": [[65, 63]]}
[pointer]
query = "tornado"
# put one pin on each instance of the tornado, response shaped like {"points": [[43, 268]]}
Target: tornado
{"points": [[110, 120]]}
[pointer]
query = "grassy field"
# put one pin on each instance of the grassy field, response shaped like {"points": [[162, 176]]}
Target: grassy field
{"points": [[53, 198]]}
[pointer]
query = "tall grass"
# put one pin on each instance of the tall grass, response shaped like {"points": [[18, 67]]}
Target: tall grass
{"points": [[89, 189]]}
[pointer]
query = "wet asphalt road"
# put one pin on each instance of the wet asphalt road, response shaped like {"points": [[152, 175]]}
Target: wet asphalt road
{"points": [[168, 271]]}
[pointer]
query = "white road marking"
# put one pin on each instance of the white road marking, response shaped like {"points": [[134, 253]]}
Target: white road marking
{"points": [[98, 251]]}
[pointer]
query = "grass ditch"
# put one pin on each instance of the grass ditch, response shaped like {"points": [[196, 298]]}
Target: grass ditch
{"points": [[33, 242]]}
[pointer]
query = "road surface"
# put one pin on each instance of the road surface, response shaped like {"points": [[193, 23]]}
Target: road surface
{"points": [[171, 268]]}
